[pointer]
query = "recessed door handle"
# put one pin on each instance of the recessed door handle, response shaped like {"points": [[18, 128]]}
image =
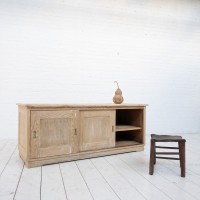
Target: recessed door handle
{"points": [[34, 134], [113, 128], [75, 131]]}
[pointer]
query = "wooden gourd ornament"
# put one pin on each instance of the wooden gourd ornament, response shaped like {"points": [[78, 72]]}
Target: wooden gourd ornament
{"points": [[118, 98]]}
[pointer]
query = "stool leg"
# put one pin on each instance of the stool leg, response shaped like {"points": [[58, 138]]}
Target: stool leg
{"points": [[152, 157], [179, 148], [154, 153], [182, 157]]}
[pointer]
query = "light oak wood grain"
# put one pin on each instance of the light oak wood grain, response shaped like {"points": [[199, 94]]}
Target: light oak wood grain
{"points": [[97, 130], [58, 133], [52, 133]]}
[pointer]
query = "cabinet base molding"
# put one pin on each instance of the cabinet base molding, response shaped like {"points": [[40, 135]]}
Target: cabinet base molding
{"points": [[50, 134], [80, 156]]}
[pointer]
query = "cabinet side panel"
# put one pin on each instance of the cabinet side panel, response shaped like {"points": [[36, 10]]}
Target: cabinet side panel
{"points": [[140, 121], [144, 126], [22, 132]]}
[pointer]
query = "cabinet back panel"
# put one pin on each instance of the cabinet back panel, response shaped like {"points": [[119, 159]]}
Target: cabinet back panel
{"points": [[129, 117]]}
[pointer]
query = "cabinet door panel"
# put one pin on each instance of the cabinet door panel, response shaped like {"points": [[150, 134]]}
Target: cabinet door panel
{"points": [[53, 133], [97, 130]]}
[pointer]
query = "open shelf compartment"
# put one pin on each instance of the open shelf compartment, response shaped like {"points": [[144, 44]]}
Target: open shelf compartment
{"points": [[129, 127]]}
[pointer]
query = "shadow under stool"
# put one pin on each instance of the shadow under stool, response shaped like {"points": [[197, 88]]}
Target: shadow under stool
{"points": [[167, 138]]}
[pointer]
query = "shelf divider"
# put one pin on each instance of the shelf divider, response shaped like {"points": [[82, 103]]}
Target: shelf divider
{"points": [[127, 128]]}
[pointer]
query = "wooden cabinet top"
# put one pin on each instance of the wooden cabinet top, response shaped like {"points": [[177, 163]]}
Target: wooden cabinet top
{"points": [[82, 106]]}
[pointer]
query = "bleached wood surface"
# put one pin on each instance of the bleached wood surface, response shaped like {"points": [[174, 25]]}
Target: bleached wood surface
{"points": [[122, 176]]}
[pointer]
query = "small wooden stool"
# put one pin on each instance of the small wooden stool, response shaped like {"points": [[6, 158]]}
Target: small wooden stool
{"points": [[167, 138]]}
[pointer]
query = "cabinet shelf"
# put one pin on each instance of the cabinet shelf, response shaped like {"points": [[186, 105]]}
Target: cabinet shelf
{"points": [[123, 143], [127, 128]]}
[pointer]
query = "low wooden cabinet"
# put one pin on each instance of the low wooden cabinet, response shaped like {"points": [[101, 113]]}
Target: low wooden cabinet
{"points": [[59, 133]]}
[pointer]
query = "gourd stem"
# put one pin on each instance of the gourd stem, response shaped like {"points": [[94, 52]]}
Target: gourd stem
{"points": [[117, 84]]}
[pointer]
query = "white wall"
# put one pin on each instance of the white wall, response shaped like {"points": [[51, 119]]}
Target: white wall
{"points": [[64, 51]]}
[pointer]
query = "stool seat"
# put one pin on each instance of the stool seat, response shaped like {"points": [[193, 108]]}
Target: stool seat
{"points": [[167, 138]]}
